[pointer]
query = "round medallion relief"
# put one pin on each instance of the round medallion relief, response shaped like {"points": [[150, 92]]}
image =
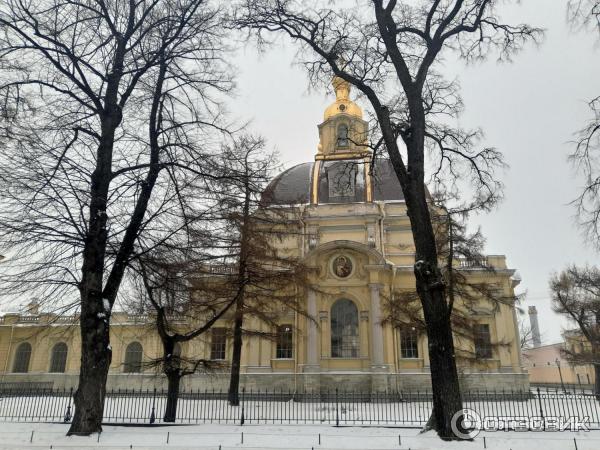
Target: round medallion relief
{"points": [[342, 266]]}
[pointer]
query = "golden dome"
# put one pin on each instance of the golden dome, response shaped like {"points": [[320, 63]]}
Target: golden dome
{"points": [[342, 104]]}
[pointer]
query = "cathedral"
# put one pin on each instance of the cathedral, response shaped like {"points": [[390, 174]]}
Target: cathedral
{"points": [[356, 235]]}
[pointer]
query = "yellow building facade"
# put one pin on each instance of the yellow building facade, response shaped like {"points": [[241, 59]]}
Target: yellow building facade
{"points": [[356, 237]]}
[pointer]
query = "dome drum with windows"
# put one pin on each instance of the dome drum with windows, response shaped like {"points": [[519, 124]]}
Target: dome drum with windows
{"points": [[343, 170]]}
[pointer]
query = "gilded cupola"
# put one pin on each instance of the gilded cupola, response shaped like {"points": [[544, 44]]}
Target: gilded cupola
{"points": [[343, 132]]}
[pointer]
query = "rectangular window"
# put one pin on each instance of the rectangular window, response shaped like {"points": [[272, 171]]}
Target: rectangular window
{"points": [[483, 341], [218, 343], [285, 342], [409, 339]]}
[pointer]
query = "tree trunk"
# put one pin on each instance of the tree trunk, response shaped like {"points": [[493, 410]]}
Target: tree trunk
{"points": [[431, 289], [430, 284], [96, 353], [234, 380], [95, 362], [173, 379], [444, 375]]}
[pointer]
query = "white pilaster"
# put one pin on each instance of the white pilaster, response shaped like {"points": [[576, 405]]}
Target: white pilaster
{"points": [[312, 338], [376, 328]]}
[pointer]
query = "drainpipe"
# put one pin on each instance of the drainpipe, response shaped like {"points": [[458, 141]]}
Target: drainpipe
{"points": [[303, 241], [295, 350], [381, 224], [12, 330]]}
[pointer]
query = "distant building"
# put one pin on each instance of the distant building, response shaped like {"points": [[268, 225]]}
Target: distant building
{"points": [[543, 362]]}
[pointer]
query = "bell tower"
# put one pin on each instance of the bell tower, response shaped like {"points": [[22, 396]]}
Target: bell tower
{"points": [[341, 169], [343, 132]]}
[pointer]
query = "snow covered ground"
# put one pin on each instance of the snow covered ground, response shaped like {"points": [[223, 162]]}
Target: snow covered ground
{"points": [[281, 437]]}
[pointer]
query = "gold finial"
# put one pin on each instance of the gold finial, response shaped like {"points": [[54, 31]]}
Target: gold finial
{"points": [[341, 88], [342, 103]]}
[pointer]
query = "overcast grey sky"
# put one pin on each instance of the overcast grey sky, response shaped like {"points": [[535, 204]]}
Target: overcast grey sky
{"points": [[528, 109]]}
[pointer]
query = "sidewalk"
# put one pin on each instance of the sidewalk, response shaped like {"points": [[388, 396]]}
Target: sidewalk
{"points": [[270, 437]]}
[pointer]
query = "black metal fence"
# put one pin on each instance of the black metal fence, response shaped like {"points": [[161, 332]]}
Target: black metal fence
{"points": [[408, 408]]}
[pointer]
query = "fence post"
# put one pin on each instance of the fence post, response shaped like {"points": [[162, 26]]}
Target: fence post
{"points": [[541, 409], [242, 418], [337, 409], [68, 415], [153, 413]]}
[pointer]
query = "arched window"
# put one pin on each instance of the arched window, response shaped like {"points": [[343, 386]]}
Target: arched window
{"points": [[22, 357], [133, 358], [58, 361], [344, 329], [342, 135]]}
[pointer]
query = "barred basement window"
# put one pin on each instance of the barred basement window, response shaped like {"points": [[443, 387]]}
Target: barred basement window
{"points": [[409, 339], [483, 341], [344, 329], [133, 358], [285, 342], [58, 361], [218, 343], [22, 357]]}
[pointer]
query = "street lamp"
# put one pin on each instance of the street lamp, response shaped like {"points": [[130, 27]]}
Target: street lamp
{"points": [[562, 384]]}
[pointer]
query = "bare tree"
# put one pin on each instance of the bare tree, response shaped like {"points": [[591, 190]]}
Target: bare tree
{"points": [[576, 294], [525, 335], [263, 278], [106, 106], [586, 14], [175, 290], [470, 287], [392, 52]]}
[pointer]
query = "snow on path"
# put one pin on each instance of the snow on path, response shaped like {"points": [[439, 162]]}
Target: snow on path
{"points": [[271, 437]]}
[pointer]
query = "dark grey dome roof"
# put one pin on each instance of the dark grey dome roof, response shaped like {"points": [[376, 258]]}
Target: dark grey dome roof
{"points": [[293, 185], [386, 186]]}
